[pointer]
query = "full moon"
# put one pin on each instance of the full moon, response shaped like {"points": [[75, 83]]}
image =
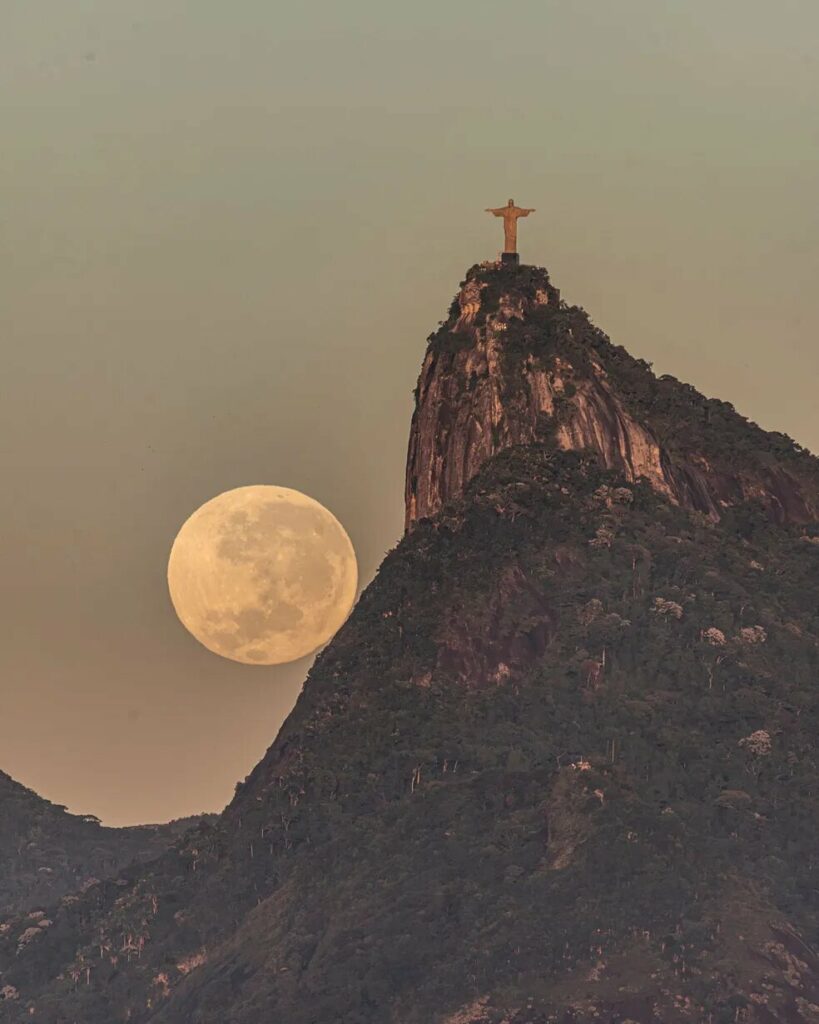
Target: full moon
{"points": [[262, 574]]}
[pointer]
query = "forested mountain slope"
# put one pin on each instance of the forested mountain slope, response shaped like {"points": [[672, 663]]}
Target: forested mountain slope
{"points": [[46, 852], [560, 765]]}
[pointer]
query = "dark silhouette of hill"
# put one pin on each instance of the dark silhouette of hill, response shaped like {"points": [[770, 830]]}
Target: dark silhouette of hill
{"points": [[560, 765], [46, 853]]}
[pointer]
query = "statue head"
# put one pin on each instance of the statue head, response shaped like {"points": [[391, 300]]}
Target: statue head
{"points": [[511, 202]]}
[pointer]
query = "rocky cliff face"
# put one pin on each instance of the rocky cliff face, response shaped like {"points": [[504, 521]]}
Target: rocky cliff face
{"points": [[514, 365], [559, 767]]}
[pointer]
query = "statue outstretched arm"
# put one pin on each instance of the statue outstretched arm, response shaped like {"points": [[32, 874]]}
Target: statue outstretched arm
{"points": [[498, 213], [525, 213]]}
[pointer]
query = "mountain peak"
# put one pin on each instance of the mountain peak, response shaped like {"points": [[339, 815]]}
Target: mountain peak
{"points": [[550, 771], [513, 364]]}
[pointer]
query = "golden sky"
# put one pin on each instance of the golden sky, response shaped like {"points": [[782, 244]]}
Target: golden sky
{"points": [[227, 230]]}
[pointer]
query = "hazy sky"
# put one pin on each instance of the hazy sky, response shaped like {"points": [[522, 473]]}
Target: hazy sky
{"points": [[228, 228]]}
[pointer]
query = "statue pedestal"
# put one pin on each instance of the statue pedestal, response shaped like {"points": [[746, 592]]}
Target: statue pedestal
{"points": [[510, 259]]}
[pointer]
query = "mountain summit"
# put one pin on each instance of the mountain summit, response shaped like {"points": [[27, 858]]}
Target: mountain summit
{"points": [[559, 766], [513, 365]]}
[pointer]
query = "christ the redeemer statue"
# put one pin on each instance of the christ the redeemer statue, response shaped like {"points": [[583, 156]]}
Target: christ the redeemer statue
{"points": [[510, 214]]}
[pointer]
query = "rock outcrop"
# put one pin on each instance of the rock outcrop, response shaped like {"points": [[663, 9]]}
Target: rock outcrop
{"points": [[513, 365]]}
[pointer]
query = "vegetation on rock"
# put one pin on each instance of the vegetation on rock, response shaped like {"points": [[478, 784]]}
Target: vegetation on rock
{"points": [[46, 853], [560, 765]]}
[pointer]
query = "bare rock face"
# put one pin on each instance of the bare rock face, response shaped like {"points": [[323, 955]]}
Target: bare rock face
{"points": [[487, 648], [513, 365]]}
